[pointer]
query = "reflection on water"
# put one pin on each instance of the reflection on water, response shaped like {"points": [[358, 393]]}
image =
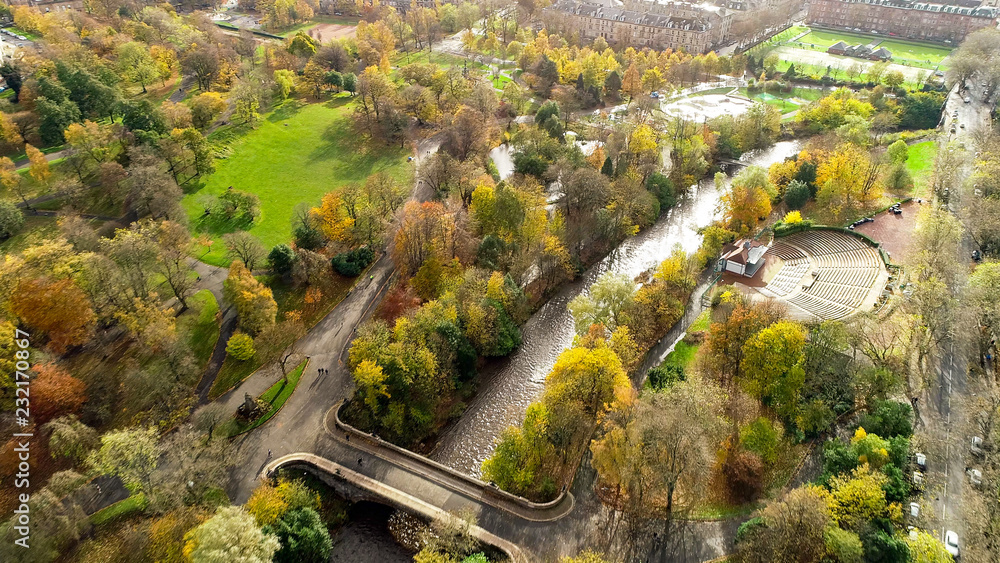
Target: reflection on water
{"points": [[506, 393]]}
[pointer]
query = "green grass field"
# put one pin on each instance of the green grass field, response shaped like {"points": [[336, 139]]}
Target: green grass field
{"points": [[920, 165], [119, 510], [298, 153], [683, 353], [903, 52], [786, 101], [200, 325], [35, 229]]}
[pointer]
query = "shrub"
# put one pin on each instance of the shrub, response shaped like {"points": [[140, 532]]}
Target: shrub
{"points": [[352, 262], [797, 194], [661, 187], [240, 347], [889, 419], [281, 258], [763, 438], [793, 218], [664, 376]]}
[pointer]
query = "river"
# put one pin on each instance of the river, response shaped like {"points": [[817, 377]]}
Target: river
{"points": [[509, 386]]}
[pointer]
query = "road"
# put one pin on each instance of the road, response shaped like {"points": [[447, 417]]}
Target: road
{"points": [[942, 428]]}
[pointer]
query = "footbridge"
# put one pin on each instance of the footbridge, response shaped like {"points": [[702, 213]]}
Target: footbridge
{"points": [[382, 472]]}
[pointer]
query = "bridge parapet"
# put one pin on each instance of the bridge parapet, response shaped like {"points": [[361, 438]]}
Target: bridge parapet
{"points": [[465, 484], [389, 495]]}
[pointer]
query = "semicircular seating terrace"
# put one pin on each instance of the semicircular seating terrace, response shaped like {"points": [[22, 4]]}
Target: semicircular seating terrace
{"points": [[824, 275]]}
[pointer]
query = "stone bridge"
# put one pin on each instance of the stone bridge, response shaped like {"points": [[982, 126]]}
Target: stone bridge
{"points": [[361, 466]]}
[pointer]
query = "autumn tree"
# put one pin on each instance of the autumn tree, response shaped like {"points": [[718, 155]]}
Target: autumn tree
{"points": [[253, 300], [57, 308], [423, 231], [793, 529], [772, 365], [55, 392], [848, 180], [747, 199], [662, 445], [244, 247], [740, 321]]}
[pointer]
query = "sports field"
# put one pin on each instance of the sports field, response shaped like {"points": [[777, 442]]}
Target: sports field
{"points": [[903, 52], [786, 101], [298, 153]]}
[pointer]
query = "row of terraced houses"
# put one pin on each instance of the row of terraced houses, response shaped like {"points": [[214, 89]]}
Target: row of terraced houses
{"points": [[928, 21], [661, 24]]}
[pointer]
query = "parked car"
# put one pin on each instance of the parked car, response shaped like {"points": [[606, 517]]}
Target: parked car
{"points": [[975, 477], [977, 441], [914, 510], [977, 257], [966, 99], [951, 543], [921, 461]]}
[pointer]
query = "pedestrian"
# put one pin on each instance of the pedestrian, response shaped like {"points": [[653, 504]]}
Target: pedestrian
{"points": [[268, 454], [347, 437], [359, 462], [319, 371]]}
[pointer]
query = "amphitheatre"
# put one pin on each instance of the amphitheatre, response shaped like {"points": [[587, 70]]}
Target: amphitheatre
{"points": [[818, 274]]}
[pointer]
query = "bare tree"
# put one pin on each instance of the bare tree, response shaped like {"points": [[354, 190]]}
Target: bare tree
{"points": [[245, 247]]}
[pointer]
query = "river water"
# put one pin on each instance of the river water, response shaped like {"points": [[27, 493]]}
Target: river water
{"points": [[512, 384]]}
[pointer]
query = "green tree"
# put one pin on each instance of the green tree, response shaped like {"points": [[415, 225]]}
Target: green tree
{"points": [[518, 456], [131, 454], [11, 219], [231, 536], [70, 438], [772, 365], [603, 302], [136, 64], [285, 80], [303, 536], [281, 259]]}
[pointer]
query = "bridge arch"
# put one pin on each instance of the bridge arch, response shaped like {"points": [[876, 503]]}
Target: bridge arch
{"points": [[357, 487]]}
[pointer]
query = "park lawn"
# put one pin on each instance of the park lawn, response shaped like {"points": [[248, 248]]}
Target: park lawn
{"points": [[683, 353], [35, 228], [920, 165], [786, 101], [201, 325], [917, 52], [827, 38], [297, 153], [403, 58], [276, 395], [29, 35], [119, 510]]}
